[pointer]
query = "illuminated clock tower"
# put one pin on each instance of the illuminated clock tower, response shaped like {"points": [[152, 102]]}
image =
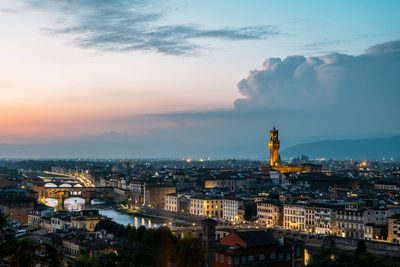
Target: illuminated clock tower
{"points": [[273, 146]]}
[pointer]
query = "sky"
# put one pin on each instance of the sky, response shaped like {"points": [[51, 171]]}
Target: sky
{"points": [[195, 78]]}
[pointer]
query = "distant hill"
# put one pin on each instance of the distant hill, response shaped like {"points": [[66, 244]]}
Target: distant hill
{"points": [[376, 148]]}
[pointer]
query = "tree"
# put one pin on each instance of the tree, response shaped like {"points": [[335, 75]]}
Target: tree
{"points": [[107, 260], [131, 232], [189, 252], [120, 230], [7, 238], [25, 253], [103, 225], [82, 261], [250, 210], [52, 257], [139, 233]]}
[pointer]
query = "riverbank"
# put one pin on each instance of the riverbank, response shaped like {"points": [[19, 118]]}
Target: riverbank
{"points": [[136, 213], [143, 213]]}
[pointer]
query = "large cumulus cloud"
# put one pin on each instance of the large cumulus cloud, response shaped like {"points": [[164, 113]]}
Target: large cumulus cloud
{"points": [[370, 81]]}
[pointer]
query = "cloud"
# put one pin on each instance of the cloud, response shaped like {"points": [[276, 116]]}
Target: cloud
{"points": [[392, 47], [9, 10], [325, 45], [353, 83], [310, 98], [133, 25], [331, 96]]}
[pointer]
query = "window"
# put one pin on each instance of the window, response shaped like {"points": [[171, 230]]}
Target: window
{"points": [[288, 256], [222, 258], [261, 257], [236, 259], [229, 260], [243, 259], [298, 252], [251, 258], [272, 256], [280, 256]]}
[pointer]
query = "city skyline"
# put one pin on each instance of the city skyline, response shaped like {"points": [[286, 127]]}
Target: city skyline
{"points": [[184, 76]]}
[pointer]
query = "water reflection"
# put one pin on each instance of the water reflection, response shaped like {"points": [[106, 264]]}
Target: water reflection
{"points": [[125, 219], [74, 203], [77, 203], [51, 202]]}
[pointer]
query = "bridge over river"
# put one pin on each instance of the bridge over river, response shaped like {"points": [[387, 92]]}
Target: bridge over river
{"points": [[63, 193], [61, 187]]}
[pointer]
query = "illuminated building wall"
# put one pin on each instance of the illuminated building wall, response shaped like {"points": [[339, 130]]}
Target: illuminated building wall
{"points": [[273, 146]]}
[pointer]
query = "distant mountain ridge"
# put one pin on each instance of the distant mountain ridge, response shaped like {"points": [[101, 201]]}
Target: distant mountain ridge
{"points": [[372, 148]]}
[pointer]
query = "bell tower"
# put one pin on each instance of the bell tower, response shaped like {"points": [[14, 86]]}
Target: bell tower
{"points": [[273, 146]]}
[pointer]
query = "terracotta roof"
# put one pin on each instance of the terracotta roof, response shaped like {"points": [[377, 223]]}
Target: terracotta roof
{"points": [[256, 238]]}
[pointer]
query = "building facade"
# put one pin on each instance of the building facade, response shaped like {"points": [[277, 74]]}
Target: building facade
{"points": [[270, 213], [258, 248], [171, 202], [350, 220], [206, 206], [325, 220], [294, 217], [230, 209], [16, 206], [394, 229], [154, 195]]}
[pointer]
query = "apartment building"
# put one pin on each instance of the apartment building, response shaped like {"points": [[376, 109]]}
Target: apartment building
{"points": [[171, 202], [376, 223], [230, 209], [270, 213], [16, 206], [86, 219], [309, 219], [206, 206], [60, 221], [394, 229], [350, 220], [177, 203], [294, 216], [154, 195], [325, 219]]}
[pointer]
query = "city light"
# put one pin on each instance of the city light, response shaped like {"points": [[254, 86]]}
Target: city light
{"points": [[225, 133]]}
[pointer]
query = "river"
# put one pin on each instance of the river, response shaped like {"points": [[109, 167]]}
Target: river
{"points": [[126, 219], [75, 204]]}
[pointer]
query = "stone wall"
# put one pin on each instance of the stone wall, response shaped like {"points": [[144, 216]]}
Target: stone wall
{"points": [[349, 244]]}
